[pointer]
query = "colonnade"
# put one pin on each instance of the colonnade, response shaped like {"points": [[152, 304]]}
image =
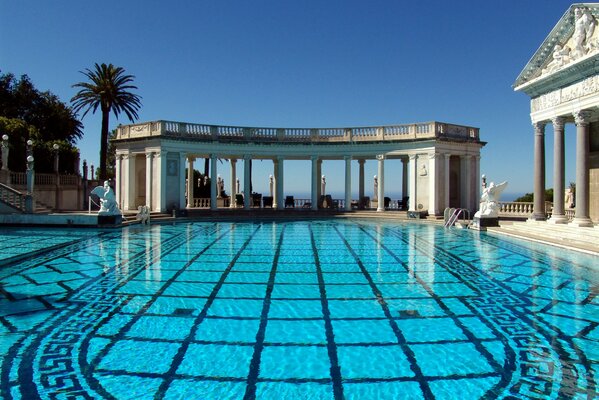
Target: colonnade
{"points": [[558, 216]]}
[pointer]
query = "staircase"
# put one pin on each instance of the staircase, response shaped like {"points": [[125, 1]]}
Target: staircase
{"points": [[586, 239], [17, 203]]}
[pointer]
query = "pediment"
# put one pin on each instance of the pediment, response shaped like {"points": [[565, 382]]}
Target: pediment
{"points": [[572, 45]]}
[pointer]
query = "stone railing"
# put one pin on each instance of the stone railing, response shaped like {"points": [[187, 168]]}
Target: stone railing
{"points": [[12, 197], [515, 209], [426, 130]]}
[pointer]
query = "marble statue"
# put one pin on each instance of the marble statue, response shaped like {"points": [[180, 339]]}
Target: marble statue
{"points": [[584, 27], [323, 185], [270, 184], [489, 201], [561, 57], [143, 215], [376, 188], [108, 204], [220, 186], [569, 198], [237, 186]]}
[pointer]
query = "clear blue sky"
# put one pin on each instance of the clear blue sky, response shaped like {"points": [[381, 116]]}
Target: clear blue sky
{"points": [[301, 64]]}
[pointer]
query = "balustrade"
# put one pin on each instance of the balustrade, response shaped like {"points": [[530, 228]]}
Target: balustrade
{"points": [[308, 135]]}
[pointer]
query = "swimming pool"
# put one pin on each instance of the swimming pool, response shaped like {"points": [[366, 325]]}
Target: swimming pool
{"points": [[299, 310]]}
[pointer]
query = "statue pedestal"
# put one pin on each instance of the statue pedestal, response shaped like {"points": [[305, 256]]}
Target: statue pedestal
{"points": [[481, 224], [104, 219]]}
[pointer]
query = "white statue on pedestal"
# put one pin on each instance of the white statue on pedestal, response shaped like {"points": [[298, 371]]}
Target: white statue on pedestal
{"points": [[376, 188], [323, 186], [489, 201], [108, 204], [270, 184]]}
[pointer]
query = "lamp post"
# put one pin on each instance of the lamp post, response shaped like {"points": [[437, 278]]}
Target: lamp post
{"points": [[4, 172], [30, 181], [56, 147]]}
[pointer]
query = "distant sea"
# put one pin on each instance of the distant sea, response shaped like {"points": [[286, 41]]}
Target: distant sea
{"points": [[397, 196]]}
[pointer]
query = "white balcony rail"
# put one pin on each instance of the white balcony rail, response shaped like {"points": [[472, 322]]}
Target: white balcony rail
{"points": [[304, 135]]}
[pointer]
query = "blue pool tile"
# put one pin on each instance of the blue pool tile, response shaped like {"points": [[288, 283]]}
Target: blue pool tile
{"points": [[478, 328], [284, 362], [298, 278], [235, 290], [151, 357], [305, 332], [185, 389], [96, 345], [296, 292], [349, 291], [456, 306], [154, 327], [363, 331], [295, 267], [375, 362], [403, 290], [473, 388], [199, 276], [355, 309], [247, 277], [114, 325], [497, 349], [216, 360], [129, 387], [347, 278], [189, 289], [451, 289], [447, 359], [425, 307], [167, 305], [227, 330], [295, 309], [408, 390], [295, 391], [140, 287], [208, 266], [236, 308], [430, 330]]}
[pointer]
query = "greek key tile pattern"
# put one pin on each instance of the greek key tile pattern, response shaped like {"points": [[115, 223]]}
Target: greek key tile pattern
{"points": [[298, 310]]}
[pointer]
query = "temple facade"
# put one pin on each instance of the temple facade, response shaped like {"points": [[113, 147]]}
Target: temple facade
{"points": [[561, 80], [440, 162]]}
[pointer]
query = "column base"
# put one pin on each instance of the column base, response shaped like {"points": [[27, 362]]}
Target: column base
{"points": [[583, 222], [481, 224], [538, 217], [557, 219]]}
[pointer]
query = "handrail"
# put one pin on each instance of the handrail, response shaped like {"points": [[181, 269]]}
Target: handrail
{"points": [[12, 197], [455, 215]]}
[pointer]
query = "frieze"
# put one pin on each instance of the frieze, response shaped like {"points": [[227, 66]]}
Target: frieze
{"points": [[579, 90]]}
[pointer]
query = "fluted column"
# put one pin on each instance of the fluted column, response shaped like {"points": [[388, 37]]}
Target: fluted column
{"points": [[314, 192], [538, 210], [466, 182], [279, 183], [161, 168], [233, 182], [558, 215], [347, 183], [581, 215], [319, 173], [149, 178], [276, 200], [213, 178], [190, 185], [119, 180], [412, 180], [446, 175], [381, 188], [404, 177], [433, 195], [182, 202], [361, 162], [247, 190]]}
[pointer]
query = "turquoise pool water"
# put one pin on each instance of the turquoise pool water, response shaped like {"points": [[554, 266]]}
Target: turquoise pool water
{"points": [[296, 310]]}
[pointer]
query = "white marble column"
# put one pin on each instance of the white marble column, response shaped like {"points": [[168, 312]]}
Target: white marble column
{"points": [[275, 199], [161, 166], [361, 163], [314, 181], [233, 182], [446, 184], [319, 173], [404, 178], [190, 185], [466, 182], [247, 192], [581, 215], [119, 180], [381, 178], [558, 214], [476, 184], [347, 183], [412, 181], [149, 179], [279, 183], [133, 186], [538, 208], [182, 188], [213, 179], [433, 195]]}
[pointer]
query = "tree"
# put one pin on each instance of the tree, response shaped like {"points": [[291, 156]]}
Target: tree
{"points": [[529, 197], [26, 113], [108, 89]]}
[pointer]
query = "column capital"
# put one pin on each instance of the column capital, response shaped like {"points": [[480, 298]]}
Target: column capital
{"points": [[433, 156], [539, 127], [582, 117], [413, 156], [247, 157], [361, 161], [380, 157], [149, 154], [233, 161], [558, 123], [314, 158], [280, 158], [213, 156], [347, 158], [191, 158]]}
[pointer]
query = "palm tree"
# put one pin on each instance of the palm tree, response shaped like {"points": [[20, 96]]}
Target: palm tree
{"points": [[108, 88]]}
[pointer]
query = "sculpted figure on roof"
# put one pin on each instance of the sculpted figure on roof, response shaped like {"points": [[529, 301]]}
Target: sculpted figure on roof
{"points": [[584, 27]]}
